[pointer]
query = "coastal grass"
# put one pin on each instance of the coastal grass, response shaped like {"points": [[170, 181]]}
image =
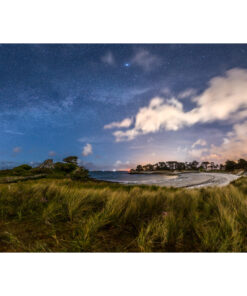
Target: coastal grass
{"points": [[61, 215]]}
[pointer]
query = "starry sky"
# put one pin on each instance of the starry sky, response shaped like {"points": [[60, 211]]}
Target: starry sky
{"points": [[117, 105]]}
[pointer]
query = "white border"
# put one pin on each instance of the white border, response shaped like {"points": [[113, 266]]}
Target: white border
{"points": [[109, 21], [122, 274], [129, 21]]}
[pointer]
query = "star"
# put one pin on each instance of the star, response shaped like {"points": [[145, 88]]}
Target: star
{"points": [[126, 65]]}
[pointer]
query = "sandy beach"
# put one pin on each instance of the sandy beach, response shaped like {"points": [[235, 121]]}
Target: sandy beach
{"points": [[205, 180], [179, 180]]}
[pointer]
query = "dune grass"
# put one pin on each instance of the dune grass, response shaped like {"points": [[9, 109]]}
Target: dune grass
{"points": [[61, 215]]}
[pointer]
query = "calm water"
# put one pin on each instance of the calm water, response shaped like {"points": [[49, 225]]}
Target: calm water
{"points": [[124, 177]]}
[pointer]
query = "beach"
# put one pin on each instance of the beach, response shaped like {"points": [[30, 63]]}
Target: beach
{"points": [[179, 180]]}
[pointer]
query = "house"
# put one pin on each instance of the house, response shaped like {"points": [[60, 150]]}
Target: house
{"points": [[172, 165], [148, 167], [155, 166], [188, 165], [162, 165], [212, 166], [204, 165]]}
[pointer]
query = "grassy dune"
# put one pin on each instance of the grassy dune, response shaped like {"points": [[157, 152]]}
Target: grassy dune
{"points": [[68, 216]]}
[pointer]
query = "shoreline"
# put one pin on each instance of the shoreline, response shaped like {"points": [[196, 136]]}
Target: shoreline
{"points": [[187, 179]]}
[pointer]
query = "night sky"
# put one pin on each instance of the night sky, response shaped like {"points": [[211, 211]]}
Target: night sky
{"points": [[115, 106]]}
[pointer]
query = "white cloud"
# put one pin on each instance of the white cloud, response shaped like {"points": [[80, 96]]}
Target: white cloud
{"points": [[118, 162], [108, 58], [187, 93], [199, 142], [52, 153], [145, 60], [87, 149], [234, 146], [123, 124], [197, 153], [224, 99], [17, 149], [123, 165]]}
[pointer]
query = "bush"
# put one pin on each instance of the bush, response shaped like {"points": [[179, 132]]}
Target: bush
{"points": [[65, 167], [80, 174], [22, 169], [25, 167]]}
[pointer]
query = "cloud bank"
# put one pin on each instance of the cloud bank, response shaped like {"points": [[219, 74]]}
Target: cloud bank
{"points": [[224, 99], [234, 145]]}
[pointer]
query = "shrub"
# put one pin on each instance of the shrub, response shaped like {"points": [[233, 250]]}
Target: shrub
{"points": [[21, 170], [65, 167], [80, 174], [25, 167]]}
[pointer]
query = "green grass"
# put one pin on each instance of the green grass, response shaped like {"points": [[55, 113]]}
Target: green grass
{"points": [[61, 215]]}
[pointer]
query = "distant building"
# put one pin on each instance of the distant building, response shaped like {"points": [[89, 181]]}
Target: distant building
{"points": [[172, 165], [148, 167], [204, 165], [162, 165], [209, 166], [188, 165]]}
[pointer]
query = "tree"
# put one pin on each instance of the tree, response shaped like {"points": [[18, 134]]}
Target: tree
{"points": [[242, 164], [181, 166], [139, 168], [71, 159], [194, 164], [230, 165]]}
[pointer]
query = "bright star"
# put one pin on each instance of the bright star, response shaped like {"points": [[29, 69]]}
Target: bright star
{"points": [[126, 65]]}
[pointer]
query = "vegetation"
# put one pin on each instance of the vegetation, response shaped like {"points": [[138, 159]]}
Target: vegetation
{"points": [[67, 169], [232, 165], [71, 159], [194, 165], [63, 215]]}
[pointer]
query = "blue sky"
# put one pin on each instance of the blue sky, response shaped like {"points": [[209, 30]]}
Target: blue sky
{"points": [[118, 105]]}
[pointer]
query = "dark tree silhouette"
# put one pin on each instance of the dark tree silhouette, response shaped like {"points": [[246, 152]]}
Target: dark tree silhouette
{"points": [[71, 159], [230, 165]]}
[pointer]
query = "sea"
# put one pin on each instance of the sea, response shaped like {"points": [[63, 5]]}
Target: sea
{"points": [[126, 178]]}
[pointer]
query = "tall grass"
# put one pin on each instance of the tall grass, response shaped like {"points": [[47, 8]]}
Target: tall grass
{"points": [[67, 216]]}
